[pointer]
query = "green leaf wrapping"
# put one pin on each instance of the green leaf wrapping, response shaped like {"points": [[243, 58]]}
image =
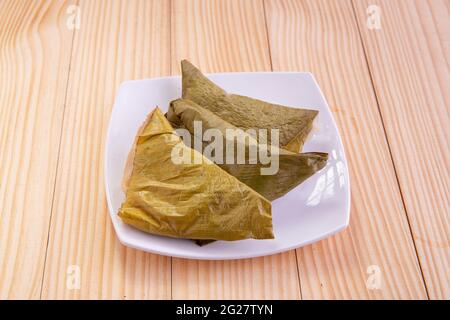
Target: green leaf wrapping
{"points": [[244, 112], [294, 168], [192, 201]]}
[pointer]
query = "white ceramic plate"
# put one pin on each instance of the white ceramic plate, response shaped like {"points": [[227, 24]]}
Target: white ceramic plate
{"points": [[316, 209]]}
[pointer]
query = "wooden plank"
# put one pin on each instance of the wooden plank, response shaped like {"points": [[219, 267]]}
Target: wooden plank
{"points": [[223, 36], [34, 61], [322, 37], [117, 41], [409, 61]]}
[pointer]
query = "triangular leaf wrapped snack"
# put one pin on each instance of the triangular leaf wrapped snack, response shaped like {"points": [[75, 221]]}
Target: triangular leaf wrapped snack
{"points": [[187, 200], [243, 112], [291, 168]]}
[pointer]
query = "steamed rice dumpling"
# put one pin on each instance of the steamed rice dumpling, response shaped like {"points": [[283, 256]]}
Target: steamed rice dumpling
{"points": [[243, 112], [213, 185], [291, 168], [187, 200]]}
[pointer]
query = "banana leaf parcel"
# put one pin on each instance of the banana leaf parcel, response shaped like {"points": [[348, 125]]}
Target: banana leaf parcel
{"points": [[292, 168], [243, 112], [187, 200]]}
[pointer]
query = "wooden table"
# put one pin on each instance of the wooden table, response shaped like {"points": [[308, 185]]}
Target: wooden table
{"points": [[382, 64]]}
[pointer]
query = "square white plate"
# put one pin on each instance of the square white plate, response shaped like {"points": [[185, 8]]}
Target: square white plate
{"points": [[316, 209]]}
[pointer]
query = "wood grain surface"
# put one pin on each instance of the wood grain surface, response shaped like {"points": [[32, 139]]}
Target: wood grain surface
{"points": [[410, 70], [389, 92], [225, 36], [34, 65], [337, 267], [115, 42]]}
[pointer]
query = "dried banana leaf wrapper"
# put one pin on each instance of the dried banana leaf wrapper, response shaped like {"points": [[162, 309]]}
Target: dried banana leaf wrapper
{"points": [[292, 168], [243, 112], [190, 200]]}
